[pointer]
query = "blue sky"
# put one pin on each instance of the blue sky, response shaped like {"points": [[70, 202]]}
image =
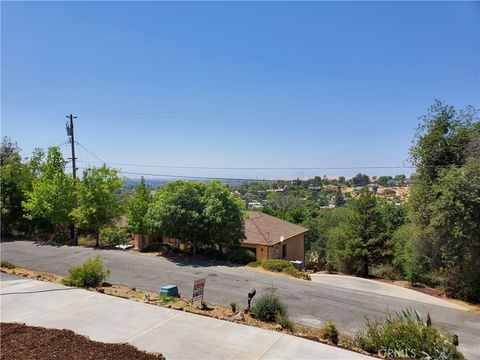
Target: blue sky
{"points": [[235, 84]]}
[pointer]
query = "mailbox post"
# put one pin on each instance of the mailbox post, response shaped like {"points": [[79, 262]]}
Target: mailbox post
{"points": [[251, 294]]}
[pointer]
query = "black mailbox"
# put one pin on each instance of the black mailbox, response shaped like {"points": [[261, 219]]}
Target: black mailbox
{"points": [[251, 294]]}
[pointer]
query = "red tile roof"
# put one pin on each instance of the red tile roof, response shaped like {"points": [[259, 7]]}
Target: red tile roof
{"points": [[263, 229]]}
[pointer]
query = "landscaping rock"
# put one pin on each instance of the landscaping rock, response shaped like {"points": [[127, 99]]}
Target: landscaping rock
{"points": [[239, 317]]}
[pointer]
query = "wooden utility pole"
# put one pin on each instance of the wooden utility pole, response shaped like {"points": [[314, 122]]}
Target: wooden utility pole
{"points": [[70, 133]]}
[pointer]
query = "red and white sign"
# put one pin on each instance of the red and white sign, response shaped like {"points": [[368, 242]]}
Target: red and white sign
{"points": [[198, 290]]}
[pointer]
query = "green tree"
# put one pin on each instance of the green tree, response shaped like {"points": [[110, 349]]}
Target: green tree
{"points": [[98, 200], [361, 180], [223, 216], [339, 198], [50, 198], [319, 240], [455, 226], [366, 245], [445, 158], [176, 211], [14, 181], [137, 209], [383, 180]]}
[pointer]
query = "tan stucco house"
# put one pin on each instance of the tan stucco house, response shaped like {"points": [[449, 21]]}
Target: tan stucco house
{"points": [[267, 236], [272, 238]]}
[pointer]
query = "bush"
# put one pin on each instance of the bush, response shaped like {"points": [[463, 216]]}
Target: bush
{"points": [[285, 322], [276, 265], [255, 264], [89, 274], [330, 332], [114, 235], [269, 307], [166, 299], [7, 265], [241, 256], [293, 271], [406, 335], [233, 306]]}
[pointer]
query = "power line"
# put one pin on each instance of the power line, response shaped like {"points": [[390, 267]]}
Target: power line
{"points": [[192, 177], [51, 119], [91, 153], [208, 109], [251, 168]]}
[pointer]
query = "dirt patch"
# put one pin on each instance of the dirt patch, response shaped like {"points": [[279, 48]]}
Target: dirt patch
{"points": [[24, 342], [432, 292]]}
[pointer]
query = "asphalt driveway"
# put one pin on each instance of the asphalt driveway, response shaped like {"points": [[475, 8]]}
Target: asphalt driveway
{"points": [[310, 302]]}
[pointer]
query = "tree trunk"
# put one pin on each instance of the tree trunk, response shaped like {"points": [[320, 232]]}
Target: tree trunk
{"points": [[195, 245], [97, 239], [365, 265]]}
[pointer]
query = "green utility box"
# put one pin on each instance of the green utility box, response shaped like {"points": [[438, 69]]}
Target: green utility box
{"points": [[169, 290]]}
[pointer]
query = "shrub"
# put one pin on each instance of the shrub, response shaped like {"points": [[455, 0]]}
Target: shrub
{"points": [[7, 265], [276, 265], [293, 271], [165, 299], [406, 335], [84, 240], [255, 264], [241, 256], [269, 307], [233, 306], [285, 322], [89, 274], [330, 332], [114, 235]]}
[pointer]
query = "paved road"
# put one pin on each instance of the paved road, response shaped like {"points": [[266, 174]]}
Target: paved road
{"points": [[310, 303], [175, 334]]}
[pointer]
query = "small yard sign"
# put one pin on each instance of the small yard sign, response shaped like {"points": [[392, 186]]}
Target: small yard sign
{"points": [[198, 289]]}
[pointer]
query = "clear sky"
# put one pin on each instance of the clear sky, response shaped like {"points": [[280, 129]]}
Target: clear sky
{"points": [[288, 84]]}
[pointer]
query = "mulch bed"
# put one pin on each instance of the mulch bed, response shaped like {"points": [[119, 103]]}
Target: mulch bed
{"points": [[24, 342]]}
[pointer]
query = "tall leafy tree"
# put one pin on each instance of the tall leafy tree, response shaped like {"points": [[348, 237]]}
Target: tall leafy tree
{"points": [[177, 212], [222, 216], [50, 198], [14, 181], [366, 245], [98, 200], [445, 158], [339, 198], [361, 180], [455, 228], [137, 209]]}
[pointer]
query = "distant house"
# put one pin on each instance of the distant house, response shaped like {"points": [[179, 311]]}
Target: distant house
{"points": [[276, 190], [267, 236], [254, 204], [272, 238]]}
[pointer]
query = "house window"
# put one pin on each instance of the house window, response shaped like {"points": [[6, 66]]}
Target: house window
{"points": [[284, 251]]}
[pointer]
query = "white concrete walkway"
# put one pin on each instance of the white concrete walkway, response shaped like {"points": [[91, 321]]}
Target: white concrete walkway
{"points": [[175, 334]]}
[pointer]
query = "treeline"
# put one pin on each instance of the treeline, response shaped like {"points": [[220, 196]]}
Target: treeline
{"points": [[41, 200], [433, 239], [38, 195]]}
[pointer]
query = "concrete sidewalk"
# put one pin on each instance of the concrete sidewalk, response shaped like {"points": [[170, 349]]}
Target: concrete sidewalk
{"points": [[175, 334]]}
